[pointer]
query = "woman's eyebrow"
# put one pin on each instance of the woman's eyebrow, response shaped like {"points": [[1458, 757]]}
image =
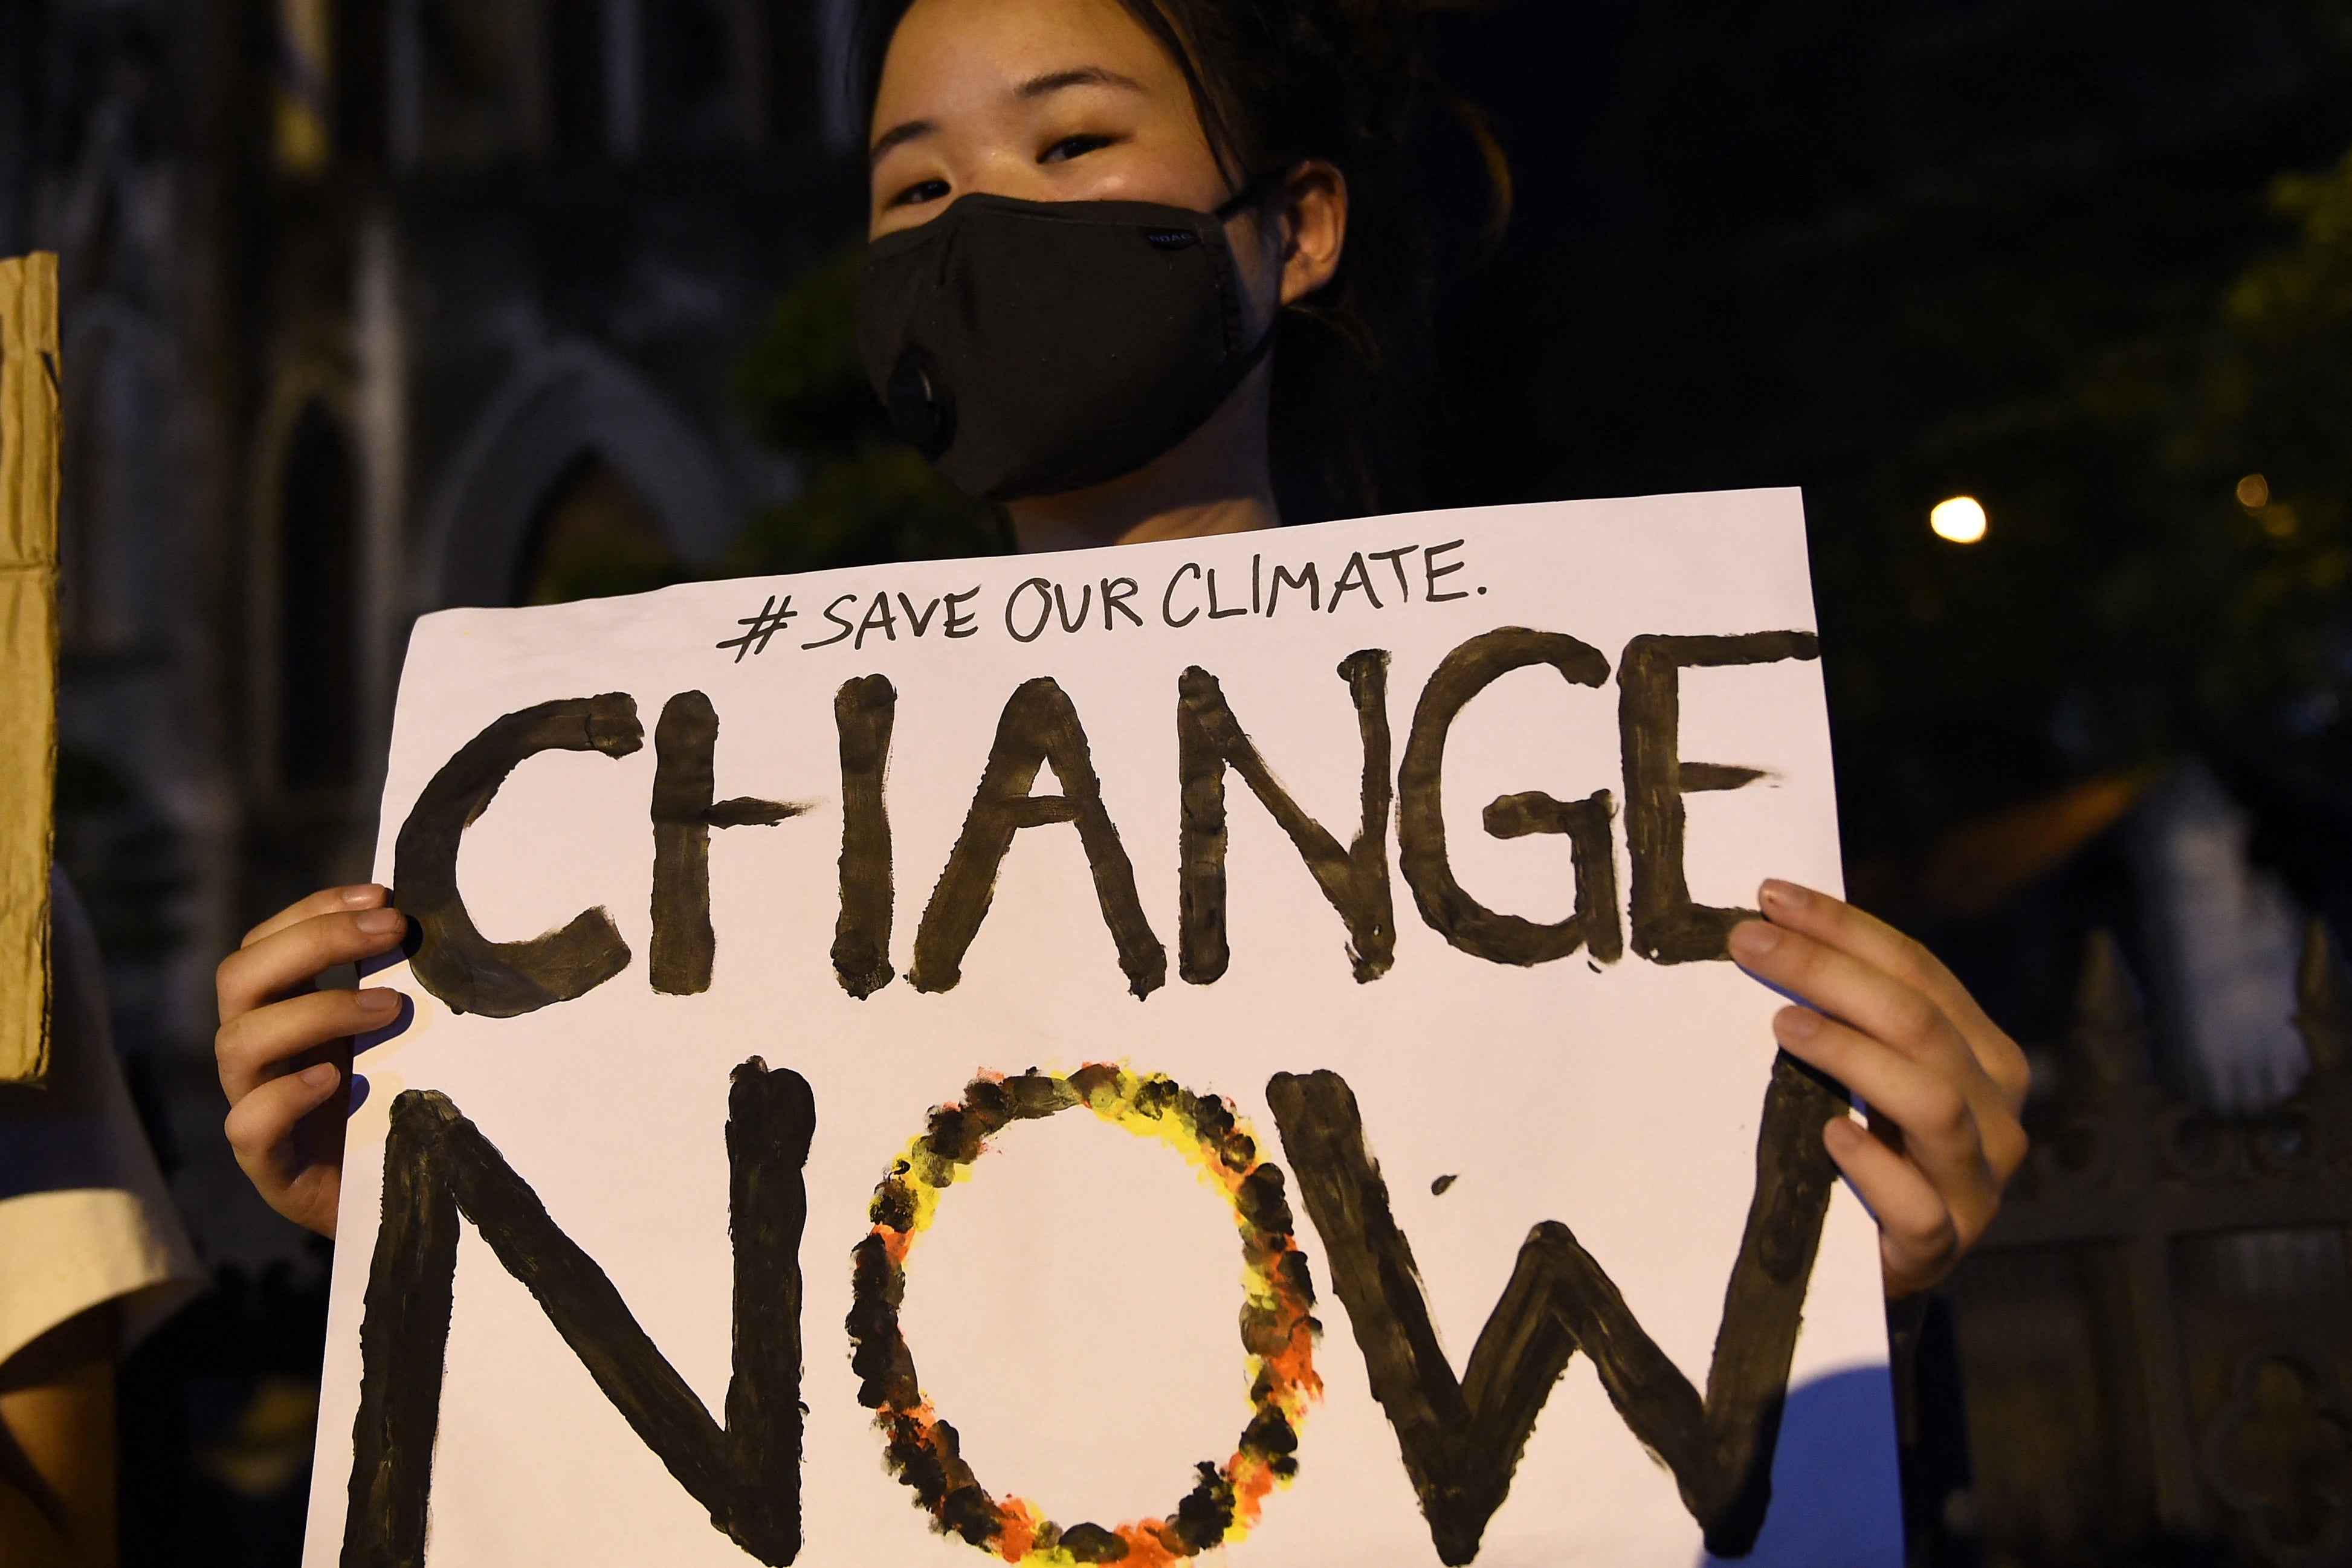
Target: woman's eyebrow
{"points": [[898, 136], [1034, 88], [1082, 76]]}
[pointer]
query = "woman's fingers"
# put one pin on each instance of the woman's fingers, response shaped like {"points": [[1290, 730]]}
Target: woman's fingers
{"points": [[1918, 1241], [276, 1034], [328, 901], [1943, 1084], [284, 960], [260, 1125], [253, 1047], [288, 1138], [1851, 988], [1889, 1011], [1872, 942], [1939, 1131]]}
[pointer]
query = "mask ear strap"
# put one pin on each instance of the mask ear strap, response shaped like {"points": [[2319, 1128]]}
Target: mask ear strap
{"points": [[1251, 193], [1257, 356], [1248, 196]]}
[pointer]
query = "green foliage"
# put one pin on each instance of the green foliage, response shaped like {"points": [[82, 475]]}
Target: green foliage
{"points": [[602, 566], [867, 497], [2285, 380], [2035, 251], [2175, 522]]}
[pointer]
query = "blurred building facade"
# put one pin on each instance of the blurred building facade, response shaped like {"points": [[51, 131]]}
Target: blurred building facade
{"points": [[372, 307]]}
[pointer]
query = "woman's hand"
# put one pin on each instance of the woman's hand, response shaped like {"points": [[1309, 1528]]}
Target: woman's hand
{"points": [[1943, 1084], [284, 1048]]}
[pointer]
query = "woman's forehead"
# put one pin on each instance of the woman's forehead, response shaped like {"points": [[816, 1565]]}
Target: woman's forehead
{"points": [[952, 55]]}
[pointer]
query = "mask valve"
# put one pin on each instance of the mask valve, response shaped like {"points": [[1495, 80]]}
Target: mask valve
{"points": [[920, 411]]}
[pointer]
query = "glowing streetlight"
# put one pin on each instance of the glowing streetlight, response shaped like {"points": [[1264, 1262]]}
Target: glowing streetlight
{"points": [[1961, 519]]}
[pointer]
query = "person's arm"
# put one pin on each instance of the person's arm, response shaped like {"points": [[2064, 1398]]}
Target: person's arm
{"points": [[1944, 1084], [57, 1448], [284, 1048]]}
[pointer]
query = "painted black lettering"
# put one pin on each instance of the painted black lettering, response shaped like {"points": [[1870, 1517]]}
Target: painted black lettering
{"points": [[1215, 613], [1167, 598], [1462, 1439], [1356, 575], [918, 623], [455, 961], [1420, 815], [1667, 926], [1395, 557], [1044, 591], [1062, 606], [437, 1165], [958, 623], [1039, 727], [685, 744], [1430, 571], [864, 711], [1209, 739], [1592, 859], [829, 614], [877, 618], [1306, 580], [1116, 593]]}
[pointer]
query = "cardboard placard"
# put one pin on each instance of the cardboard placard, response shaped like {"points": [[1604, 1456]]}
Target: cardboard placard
{"points": [[28, 655], [1210, 1047]]}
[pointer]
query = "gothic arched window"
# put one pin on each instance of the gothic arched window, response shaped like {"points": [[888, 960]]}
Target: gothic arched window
{"points": [[593, 536]]}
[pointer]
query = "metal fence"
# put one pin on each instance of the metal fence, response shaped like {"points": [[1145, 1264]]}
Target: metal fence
{"points": [[2156, 1337]]}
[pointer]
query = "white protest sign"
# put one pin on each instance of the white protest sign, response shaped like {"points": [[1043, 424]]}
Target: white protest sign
{"points": [[1218, 1047]]}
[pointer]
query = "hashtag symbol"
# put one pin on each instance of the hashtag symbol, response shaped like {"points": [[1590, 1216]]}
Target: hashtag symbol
{"points": [[765, 625]]}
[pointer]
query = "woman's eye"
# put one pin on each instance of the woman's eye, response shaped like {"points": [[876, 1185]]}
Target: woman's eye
{"points": [[919, 193], [1070, 147]]}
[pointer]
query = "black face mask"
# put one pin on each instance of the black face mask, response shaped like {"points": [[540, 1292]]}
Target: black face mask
{"points": [[1031, 347]]}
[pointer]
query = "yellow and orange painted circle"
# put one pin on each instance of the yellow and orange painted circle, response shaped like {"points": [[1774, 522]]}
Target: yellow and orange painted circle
{"points": [[1278, 1327]]}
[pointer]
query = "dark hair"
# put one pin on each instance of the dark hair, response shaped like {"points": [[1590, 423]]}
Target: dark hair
{"points": [[1276, 83]]}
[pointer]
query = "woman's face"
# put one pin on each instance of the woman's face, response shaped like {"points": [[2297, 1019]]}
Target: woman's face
{"points": [[1048, 100], [1072, 100]]}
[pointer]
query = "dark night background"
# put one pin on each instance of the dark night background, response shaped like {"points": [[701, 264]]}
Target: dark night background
{"points": [[379, 306]]}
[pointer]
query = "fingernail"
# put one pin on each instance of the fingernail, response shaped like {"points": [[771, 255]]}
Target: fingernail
{"points": [[1842, 1135], [365, 894], [379, 1002], [1783, 895], [1796, 1023], [378, 922], [319, 1077], [1753, 939]]}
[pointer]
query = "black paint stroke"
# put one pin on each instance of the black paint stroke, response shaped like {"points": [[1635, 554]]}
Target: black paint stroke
{"points": [[404, 1342], [437, 1165], [1039, 726], [1668, 928], [1450, 911], [453, 960], [1209, 739], [863, 711], [1462, 1440], [685, 745]]}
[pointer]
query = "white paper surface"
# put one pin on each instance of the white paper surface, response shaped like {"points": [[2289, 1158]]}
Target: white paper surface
{"points": [[1072, 1308]]}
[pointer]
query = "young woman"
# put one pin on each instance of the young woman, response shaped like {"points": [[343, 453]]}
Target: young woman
{"points": [[1259, 136]]}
